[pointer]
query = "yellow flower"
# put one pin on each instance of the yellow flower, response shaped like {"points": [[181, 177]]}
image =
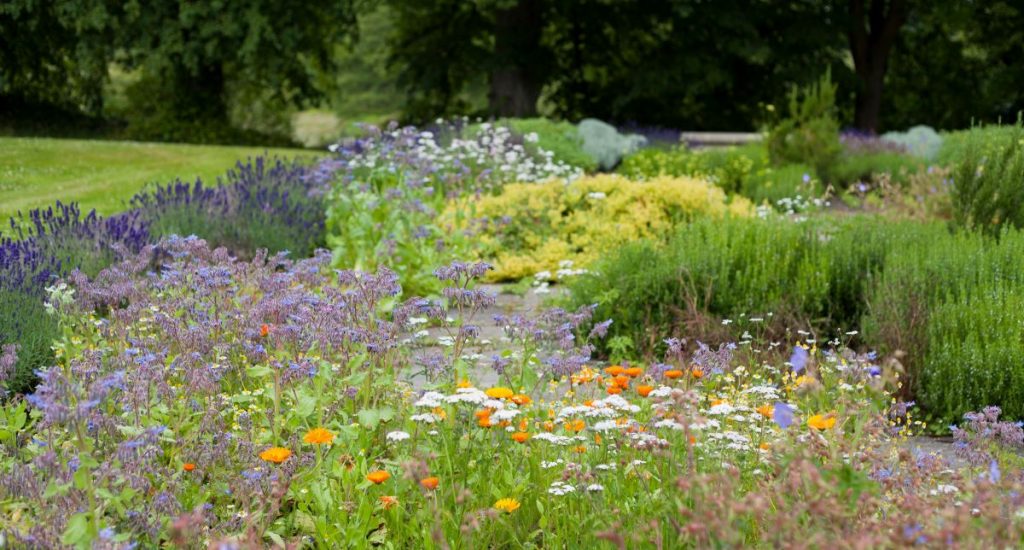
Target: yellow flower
{"points": [[821, 422], [276, 455], [499, 393], [508, 505], [319, 436], [803, 380], [464, 384]]}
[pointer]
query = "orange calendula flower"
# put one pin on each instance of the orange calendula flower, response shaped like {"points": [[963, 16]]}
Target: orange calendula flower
{"points": [[715, 402], [520, 437], [586, 374], [484, 422], [697, 373], [499, 393], [644, 391], [614, 370], [523, 425], [464, 384], [597, 439], [575, 425], [521, 399], [613, 390], [822, 422], [482, 413], [507, 505], [765, 410], [764, 446], [580, 449], [430, 483], [673, 374], [387, 501], [276, 455], [622, 381], [440, 413], [188, 466], [548, 426], [633, 372], [264, 330], [319, 436], [588, 403], [693, 440], [379, 476]]}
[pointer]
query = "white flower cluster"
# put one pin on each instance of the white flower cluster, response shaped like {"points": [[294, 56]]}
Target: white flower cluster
{"points": [[493, 148]]}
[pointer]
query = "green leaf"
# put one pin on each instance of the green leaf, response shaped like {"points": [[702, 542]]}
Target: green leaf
{"points": [[369, 418], [82, 478], [78, 530], [259, 371], [276, 538]]}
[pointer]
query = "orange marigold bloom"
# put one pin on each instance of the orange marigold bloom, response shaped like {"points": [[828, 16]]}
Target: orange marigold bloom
{"points": [[521, 399], [388, 501], [588, 403], [586, 374], [276, 455], [614, 390], [548, 426], [430, 483], [464, 384], [483, 413], [523, 425], [264, 330], [484, 422], [597, 439], [188, 467], [520, 437], [379, 476], [644, 391], [697, 373], [575, 425], [580, 449], [693, 440], [822, 422], [764, 446], [633, 372], [614, 370], [499, 393], [766, 410], [622, 381], [673, 374], [319, 436], [440, 413]]}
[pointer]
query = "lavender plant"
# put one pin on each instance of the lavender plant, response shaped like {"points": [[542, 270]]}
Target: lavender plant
{"points": [[265, 202], [44, 245]]}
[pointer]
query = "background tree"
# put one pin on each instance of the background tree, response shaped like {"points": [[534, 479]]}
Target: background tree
{"points": [[873, 29], [191, 55]]}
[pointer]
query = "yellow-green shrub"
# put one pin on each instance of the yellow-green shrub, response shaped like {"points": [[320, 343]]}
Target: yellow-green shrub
{"points": [[531, 228]]}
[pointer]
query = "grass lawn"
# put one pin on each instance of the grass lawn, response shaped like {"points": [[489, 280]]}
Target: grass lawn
{"points": [[35, 172]]}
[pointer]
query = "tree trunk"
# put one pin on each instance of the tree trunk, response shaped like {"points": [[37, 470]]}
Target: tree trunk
{"points": [[517, 76], [872, 34]]}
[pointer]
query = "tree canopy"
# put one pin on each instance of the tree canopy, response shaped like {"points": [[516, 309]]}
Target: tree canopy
{"points": [[690, 64]]}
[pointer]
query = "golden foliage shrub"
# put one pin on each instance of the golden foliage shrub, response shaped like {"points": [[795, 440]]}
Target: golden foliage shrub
{"points": [[530, 228]]}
